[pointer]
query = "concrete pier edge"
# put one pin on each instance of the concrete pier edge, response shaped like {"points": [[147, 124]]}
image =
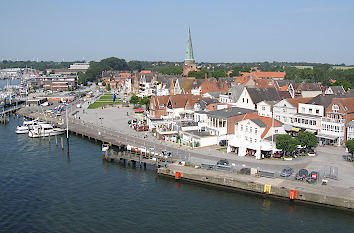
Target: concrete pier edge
{"points": [[258, 189]]}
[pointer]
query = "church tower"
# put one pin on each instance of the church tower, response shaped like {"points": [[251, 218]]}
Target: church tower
{"points": [[189, 62]]}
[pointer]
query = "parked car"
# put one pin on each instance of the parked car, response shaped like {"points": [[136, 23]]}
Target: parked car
{"points": [[301, 174], [311, 153], [223, 162], [223, 143], [286, 172], [312, 177]]}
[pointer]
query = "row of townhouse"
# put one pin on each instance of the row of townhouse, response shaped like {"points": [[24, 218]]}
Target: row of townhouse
{"points": [[328, 116]]}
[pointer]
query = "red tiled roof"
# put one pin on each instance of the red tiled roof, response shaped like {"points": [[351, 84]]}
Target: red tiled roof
{"points": [[268, 121]]}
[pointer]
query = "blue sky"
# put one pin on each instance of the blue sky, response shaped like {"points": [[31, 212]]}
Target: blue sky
{"points": [[222, 31]]}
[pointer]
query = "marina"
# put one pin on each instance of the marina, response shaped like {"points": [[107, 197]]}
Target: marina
{"points": [[42, 185], [304, 192]]}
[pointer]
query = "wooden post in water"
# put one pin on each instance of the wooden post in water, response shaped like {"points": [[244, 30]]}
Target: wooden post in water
{"points": [[62, 143], [56, 140]]}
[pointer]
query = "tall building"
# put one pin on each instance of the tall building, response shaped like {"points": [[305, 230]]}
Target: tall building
{"points": [[189, 62]]}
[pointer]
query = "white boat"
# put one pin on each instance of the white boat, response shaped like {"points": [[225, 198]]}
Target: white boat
{"points": [[105, 147], [26, 126], [44, 130]]}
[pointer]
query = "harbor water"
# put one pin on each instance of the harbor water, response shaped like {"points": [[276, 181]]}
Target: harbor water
{"points": [[10, 82], [44, 190]]}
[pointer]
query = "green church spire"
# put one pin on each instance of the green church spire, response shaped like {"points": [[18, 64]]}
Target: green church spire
{"points": [[189, 50]]}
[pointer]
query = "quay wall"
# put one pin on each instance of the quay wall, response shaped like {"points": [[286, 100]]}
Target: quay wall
{"points": [[257, 186]]}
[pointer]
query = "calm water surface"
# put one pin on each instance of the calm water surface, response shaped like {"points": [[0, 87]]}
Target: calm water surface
{"points": [[3, 83], [41, 190]]}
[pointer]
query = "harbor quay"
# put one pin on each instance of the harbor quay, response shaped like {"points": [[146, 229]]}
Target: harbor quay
{"points": [[285, 189], [109, 125]]}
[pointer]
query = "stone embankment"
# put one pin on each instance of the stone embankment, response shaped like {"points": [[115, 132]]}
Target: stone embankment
{"points": [[279, 188]]}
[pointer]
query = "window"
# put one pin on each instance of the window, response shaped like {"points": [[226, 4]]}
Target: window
{"points": [[310, 110], [335, 108], [276, 131], [243, 100], [246, 128], [317, 111], [263, 108], [255, 131], [241, 128], [303, 109], [250, 140], [250, 129], [247, 100]]}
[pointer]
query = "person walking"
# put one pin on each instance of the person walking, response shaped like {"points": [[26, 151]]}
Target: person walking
{"points": [[165, 163]]}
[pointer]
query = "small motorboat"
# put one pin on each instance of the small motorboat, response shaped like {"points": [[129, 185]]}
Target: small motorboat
{"points": [[26, 126], [44, 130], [105, 147]]}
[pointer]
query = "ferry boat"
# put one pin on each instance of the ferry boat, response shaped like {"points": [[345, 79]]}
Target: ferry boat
{"points": [[26, 126], [44, 130]]}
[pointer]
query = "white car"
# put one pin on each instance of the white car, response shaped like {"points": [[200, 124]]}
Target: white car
{"points": [[311, 153]]}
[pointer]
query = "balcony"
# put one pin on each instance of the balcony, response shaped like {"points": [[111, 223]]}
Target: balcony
{"points": [[331, 120]]}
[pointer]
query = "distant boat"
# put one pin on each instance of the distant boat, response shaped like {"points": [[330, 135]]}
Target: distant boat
{"points": [[44, 130]]}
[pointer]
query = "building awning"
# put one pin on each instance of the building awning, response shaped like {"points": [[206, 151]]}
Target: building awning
{"points": [[326, 136], [311, 130], [295, 129]]}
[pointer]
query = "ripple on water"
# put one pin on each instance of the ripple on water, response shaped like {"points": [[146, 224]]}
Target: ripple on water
{"points": [[42, 190]]}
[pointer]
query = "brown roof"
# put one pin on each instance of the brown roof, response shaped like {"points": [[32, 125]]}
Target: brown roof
{"points": [[268, 121], [297, 101]]}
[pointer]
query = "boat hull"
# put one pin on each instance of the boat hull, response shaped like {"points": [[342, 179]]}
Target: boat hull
{"points": [[39, 134]]}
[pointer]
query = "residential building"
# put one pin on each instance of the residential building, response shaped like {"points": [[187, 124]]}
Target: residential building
{"points": [[338, 116], [251, 96], [350, 130], [255, 136]]}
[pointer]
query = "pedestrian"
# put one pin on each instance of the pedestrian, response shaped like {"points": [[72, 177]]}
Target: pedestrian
{"points": [[165, 163]]}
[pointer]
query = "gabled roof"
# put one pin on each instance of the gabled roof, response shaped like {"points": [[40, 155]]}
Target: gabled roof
{"points": [[296, 101], [228, 112], [258, 122], [338, 89], [235, 92], [259, 94], [267, 121], [284, 94], [205, 102], [324, 100], [307, 87]]}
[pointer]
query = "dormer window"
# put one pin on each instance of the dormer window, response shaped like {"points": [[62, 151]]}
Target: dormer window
{"points": [[335, 108]]}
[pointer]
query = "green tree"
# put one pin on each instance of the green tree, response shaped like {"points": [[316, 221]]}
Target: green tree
{"points": [[346, 85], [135, 65], [108, 87], [219, 74], [199, 74], [96, 68], [134, 99], [145, 101], [350, 145], [286, 143], [307, 139], [82, 78]]}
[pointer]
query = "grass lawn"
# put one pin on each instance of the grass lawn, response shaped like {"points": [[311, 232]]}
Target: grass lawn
{"points": [[104, 100]]}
